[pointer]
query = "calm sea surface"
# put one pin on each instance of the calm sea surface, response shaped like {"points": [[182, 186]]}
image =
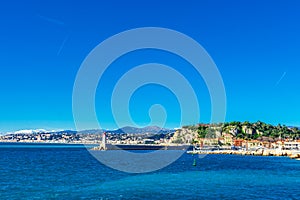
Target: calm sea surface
{"points": [[70, 172]]}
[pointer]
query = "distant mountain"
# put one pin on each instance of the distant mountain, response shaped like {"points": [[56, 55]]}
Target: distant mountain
{"points": [[147, 129], [37, 131], [65, 132], [30, 131], [126, 129], [91, 131]]}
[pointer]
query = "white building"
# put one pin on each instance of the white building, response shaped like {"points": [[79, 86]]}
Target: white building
{"points": [[292, 145]]}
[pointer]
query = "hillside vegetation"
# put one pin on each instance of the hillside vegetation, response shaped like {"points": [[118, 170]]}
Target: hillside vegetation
{"points": [[246, 130]]}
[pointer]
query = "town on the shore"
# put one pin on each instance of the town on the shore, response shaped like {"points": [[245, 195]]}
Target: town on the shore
{"points": [[240, 135], [250, 138], [243, 138]]}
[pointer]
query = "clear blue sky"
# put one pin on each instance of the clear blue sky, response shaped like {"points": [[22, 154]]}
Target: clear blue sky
{"points": [[255, 44]]}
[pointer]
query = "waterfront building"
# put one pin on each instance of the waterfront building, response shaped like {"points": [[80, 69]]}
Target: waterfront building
{"points": [[253, 144], [238, 142], [292, 145]]}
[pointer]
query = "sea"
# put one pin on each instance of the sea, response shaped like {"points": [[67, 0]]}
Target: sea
{"points": [[52, 171]]}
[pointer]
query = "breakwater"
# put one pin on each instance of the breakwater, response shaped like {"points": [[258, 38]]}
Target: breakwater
{"points": [[144, 147]]}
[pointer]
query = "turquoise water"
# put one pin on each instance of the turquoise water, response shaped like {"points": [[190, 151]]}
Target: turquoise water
{"points": [[70, 172]]}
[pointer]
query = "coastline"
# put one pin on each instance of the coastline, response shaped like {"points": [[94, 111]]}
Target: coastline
{"points": [[47, 143], [153, 147], [95, 146], [293, 154]]}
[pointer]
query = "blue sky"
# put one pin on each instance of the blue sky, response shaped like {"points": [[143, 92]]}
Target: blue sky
{"points": [[255, 45]]}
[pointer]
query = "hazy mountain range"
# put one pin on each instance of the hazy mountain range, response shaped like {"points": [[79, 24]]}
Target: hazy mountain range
{"points": [[126, 129]]}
